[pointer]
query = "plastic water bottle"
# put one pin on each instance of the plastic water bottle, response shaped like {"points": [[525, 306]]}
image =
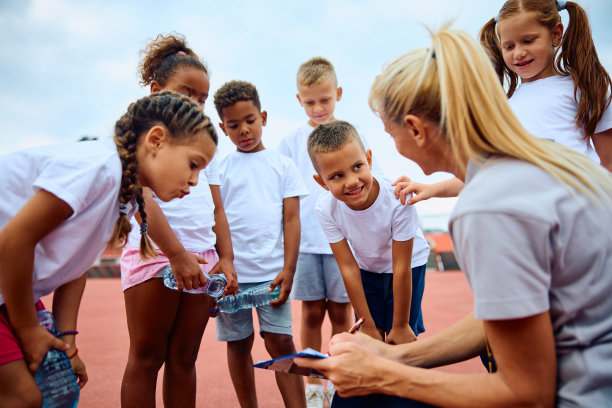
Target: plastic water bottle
{"points": [[214, 286], [55, 377], [252, 297]]}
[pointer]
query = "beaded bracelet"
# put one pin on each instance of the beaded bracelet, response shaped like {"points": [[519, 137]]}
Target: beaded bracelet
{"points": [[76, 351], [68, 332]]}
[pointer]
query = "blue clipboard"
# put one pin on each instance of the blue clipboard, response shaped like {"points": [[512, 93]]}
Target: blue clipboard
{"points": [[285, 364]]}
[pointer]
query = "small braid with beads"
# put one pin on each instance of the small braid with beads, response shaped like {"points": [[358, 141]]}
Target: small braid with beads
{"points": [[182, 118]]}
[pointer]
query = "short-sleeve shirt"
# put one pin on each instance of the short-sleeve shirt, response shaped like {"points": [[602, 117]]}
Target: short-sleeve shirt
{"points": [[547, 109], [371, 232], [191, 217], [253, 187], [294, 145], [527, 245], [87, 177]]}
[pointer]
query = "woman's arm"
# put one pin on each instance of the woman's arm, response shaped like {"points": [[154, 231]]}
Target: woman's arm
{"points": [[404, 187], [526, 376], [603, 146], [401, 332], [223, 244], [18, 239], [351, 275]]}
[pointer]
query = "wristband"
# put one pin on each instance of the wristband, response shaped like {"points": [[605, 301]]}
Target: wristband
{"points": [[76, 351]]}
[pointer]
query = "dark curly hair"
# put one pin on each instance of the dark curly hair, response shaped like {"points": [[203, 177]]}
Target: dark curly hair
{"points": [[235, 91]]}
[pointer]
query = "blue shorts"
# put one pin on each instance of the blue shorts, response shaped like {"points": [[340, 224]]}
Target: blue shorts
{"points": [[239, 325], [317, 277], [376, 400], [378, 289]]}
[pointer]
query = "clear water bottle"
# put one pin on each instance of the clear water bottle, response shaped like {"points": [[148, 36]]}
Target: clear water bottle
{"points": [[214, 286], [252, 297], [55, 377]]}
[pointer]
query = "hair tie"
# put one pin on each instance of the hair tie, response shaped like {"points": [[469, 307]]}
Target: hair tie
{"points": [[143, 228], [561, 4], [123, 209], [181, 53]]}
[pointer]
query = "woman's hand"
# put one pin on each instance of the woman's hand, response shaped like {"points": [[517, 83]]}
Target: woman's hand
{"points": [[410, 192], [366, 342], [187, 270]]}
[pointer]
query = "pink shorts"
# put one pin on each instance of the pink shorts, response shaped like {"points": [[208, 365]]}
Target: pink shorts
{"points": [[134, 270], [9, 345]]}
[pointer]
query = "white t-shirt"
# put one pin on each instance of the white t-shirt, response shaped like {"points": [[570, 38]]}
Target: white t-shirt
{"points": [[253, 187], [191, 217], [294, 145], [526, 246], [547, 109], [85, 175], [371, 232]]}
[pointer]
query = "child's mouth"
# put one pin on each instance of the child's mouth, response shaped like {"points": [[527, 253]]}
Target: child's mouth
{"points": [[355, 191], [524, 64], [245, 142]]}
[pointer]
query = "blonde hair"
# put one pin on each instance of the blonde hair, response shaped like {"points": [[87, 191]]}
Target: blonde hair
{"points": [[316, 70], [453, 84]]}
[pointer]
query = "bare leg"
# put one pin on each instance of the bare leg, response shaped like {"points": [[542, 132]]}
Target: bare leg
{"points": [[340, 315], [183, 346], [151, 310], [17, 386], [313, 313], [241, 370], [291, 386]]}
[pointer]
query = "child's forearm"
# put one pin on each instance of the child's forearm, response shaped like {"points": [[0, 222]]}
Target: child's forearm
{"points": [[291, 232], [356, 294], [402, 281], [221, 229], [66, 302]]}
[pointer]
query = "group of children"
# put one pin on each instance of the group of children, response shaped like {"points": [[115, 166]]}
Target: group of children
{"points": [[317, 218]]}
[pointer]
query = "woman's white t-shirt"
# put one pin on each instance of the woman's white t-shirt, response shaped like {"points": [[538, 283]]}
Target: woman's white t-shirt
{"points": [[85, 175]]}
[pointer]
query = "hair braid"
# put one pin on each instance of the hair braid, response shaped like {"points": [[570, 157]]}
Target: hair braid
{"points": [[184, 121]]}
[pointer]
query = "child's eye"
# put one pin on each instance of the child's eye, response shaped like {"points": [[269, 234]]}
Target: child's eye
{"points": [[202, 101], [310, 103], [251, 121], [193, 165], [233, 126], [324, 100], [336, 176], [358, 166]]}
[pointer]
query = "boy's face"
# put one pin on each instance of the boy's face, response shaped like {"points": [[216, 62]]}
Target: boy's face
{"points": [[242, 122], [346, 174], [319, 100]]}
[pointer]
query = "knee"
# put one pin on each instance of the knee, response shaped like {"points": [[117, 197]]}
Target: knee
{"points": [[278, 344], [339, 313], [240, 348], [148, 357], [184, 357], [313, 314]]}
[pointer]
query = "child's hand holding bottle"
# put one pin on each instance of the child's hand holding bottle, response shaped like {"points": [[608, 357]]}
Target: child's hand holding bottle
{"points": [[285, 280], [187, 270]]}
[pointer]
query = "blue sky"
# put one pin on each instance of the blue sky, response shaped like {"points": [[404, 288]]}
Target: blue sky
{"points": [[68, 68]]}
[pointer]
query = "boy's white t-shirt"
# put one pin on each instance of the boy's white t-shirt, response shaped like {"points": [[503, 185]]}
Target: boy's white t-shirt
{"points": [[253, 187], [294, 145], [85, 175], [371, 232], [191, 217], [547, 109]]}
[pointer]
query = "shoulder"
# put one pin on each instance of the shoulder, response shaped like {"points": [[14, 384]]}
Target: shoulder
{"points": [[326, 203]]}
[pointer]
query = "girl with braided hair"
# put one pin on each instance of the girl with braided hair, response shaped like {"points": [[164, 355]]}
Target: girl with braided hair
{"points": [[61, 205], [190, 235]]}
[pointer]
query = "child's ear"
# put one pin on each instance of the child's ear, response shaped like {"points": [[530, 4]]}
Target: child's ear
{"points": [[369, 158], [155, 138], [155, 87], [320, 181], [299, 99], [222, 126], [557, 33], [339, 92], [264, 118]]}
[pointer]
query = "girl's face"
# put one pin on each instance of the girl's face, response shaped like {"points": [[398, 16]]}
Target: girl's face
{"points": [[169, 167], [189, 81], [527, 46]]}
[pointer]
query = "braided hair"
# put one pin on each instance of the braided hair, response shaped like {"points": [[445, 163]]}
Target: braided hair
{"points": [[182, 118]]}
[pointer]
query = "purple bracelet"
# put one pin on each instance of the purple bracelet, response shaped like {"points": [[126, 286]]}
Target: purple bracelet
{"points": [[68, 332]]}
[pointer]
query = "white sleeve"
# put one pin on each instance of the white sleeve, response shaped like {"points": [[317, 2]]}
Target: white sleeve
{"points": [[329, 227], [605, 123], [506, 261], [212, 171], [405, 224], [293, 183], [283, 147]]}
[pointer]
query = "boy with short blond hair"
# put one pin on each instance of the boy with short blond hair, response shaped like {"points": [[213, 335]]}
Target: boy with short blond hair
{"points": [[260, 189], [376, 240], [318, 282]]}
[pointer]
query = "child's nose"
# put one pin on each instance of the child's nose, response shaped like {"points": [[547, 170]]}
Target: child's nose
{"points": [[193, 180]]}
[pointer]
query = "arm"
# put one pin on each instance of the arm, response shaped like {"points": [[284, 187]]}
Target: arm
{"points": [[402, 293], [404, 187], [18, 239], [291, 235], [354, 288], [603, 146], [66, 301], [526, 376], [185, 266], [224, 244]]}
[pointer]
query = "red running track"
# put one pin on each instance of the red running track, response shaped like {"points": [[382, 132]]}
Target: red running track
{"points": [[103, 343]]}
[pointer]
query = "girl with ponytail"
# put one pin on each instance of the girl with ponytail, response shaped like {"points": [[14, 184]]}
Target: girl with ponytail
{"points": [[530, 230], [62, 204]]}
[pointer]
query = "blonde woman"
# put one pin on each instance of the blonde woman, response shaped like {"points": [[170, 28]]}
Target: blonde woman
{"points": [[531, 232]]}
